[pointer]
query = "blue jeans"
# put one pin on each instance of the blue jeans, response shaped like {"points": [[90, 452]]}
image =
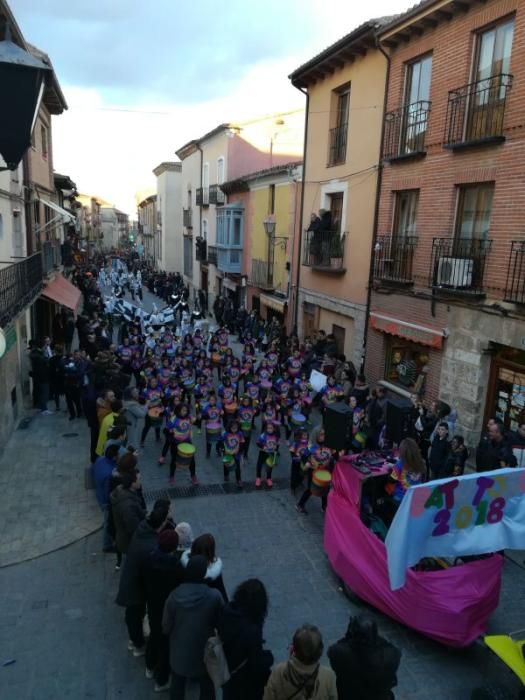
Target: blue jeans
{"points": [[107, 540]]}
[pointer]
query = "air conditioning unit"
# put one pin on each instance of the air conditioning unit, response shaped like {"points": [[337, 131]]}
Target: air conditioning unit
{"points": [[455, 272]]}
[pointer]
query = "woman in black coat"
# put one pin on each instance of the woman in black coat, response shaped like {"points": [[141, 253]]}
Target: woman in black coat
{"points": [[240, 628]]}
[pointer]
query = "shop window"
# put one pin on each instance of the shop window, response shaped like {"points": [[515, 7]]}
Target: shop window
{"points": [[406, 364]]}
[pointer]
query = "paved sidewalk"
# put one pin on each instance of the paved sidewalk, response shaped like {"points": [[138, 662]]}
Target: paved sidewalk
{"points": [[43, 502]]}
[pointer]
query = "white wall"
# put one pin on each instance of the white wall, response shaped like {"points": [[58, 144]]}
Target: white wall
{"points": [[169, 204], [12, 225], [109, 225]]}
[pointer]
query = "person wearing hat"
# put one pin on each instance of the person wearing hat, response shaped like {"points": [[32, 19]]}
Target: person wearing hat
{"points": [[162, 574], [191, 614]]}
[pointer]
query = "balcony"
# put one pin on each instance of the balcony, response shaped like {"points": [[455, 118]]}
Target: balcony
{"points": [[201, 253], [337, 145], [405, 131], [51, 256], [217, 196], [212, 255], [324, 251], [458, 265], [202, 196], [476, 112], [393, 258], [262, 274], [229, 259], [20, 284], [187, 218], [515, 287]]}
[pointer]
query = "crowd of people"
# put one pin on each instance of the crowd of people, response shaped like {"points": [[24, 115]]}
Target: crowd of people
{"points": [[127, 378]]}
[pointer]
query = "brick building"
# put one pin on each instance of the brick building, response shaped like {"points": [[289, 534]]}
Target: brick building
{"points": [[448, 297]]}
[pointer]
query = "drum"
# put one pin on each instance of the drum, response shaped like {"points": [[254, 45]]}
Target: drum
{"points": [[185, 453], [231, 408], [321, 480], [228, 462], [298, 420], [272, 461], [213, 431], [246, 427]]}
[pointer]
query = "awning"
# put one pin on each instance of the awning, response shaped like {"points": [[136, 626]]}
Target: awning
{"points": [[274, 303], [63, 292], [410, 331], [67, 216], [229, 284]]}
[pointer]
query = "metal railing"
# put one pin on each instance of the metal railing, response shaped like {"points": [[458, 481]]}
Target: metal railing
{"points": [[337, 144], [406, 130], [187, 218], [324, 250], [476, 112], [393, 258], [515, 287], [212, 255], [217, 196], [51, 257], [202, 196], [20, 283], [261, 274], [458, 264]]}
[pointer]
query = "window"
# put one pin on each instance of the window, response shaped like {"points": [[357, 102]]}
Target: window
{"points": [[220, 170], [230, 227], [43, 139], [1, 226], [205, 229], [188, 257], [271, 200], [336, 211], [405, 215], [493, 51], [339, 131], [474, 210], [189, 198], [417, 106], [406, 364]]}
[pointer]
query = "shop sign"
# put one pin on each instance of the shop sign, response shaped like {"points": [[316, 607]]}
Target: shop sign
{"points": [[468, 515], [409, 331]]}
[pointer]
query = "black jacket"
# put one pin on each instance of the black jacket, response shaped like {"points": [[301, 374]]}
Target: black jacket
{"points": [[243, 642], [128, 511], [364, 673], [492, 455], [161, 574], [132, 590], [438, 458]]}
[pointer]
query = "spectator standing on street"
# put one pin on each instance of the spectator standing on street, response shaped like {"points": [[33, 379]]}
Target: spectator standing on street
{"points": [[439, 453], [56, 376], [190, 616], [73, 368], [365, 664], [302, 676], [204, 545], [240, 628], [102, 473], [41, 377], [128, 509], [135, 413], [116, 416]]}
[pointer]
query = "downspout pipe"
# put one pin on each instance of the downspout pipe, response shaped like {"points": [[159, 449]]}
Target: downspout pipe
{"points": [[200, 218], [301, 220], [376, 206]]}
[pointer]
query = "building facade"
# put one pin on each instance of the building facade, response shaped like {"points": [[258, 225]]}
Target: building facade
{"points": [[169, 242], [148, 226], [270, 200], [447, 309], [109, 228], [345, 87], [213, 229], [89, 223]]}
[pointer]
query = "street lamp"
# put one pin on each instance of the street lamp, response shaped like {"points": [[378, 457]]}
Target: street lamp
{"points": [[22, 82]]}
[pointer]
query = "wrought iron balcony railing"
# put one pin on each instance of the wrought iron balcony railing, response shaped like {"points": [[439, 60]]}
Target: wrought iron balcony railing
{"points": [[187, 218], [393, 258], [262, 274], [324, 250], [51, 256], [20, 283], [475, 112], [217, 196], [406, 130], [458, 264], [337, 144], [202, 196], [212, 255], [515, 287]]}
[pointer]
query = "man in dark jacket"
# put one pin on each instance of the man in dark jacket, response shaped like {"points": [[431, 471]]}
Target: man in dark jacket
{"points": [[439, 452], [376, 416], [190, 616], [162, 574], [365, 664], [132, 593], [102, 471], [127, 508], [41, 376]]}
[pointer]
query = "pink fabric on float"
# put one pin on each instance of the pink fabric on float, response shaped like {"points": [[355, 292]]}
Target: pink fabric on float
{"points": [[451, 606]]}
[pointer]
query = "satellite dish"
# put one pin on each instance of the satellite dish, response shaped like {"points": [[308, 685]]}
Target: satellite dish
{"points": [[3, 343]]}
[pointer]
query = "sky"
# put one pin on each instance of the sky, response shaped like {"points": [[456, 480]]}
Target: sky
{"points": [[143, 78]]}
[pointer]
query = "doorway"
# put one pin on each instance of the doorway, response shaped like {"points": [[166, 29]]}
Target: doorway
{"points": [[339, 334], [506, 393]]}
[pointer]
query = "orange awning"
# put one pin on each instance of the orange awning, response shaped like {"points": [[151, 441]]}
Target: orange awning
{"points": [[410, 331], [63, 292]]}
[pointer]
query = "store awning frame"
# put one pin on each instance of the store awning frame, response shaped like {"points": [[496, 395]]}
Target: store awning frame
{"points": [[415, 333], [68, 216], [61, 291], [273, 302]]}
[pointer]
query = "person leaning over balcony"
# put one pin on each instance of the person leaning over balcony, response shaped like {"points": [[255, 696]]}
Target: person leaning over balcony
{"points": [[315, 238]]}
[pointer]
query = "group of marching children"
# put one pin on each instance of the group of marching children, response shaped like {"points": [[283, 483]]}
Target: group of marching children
{"points": [[177, 381]]}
